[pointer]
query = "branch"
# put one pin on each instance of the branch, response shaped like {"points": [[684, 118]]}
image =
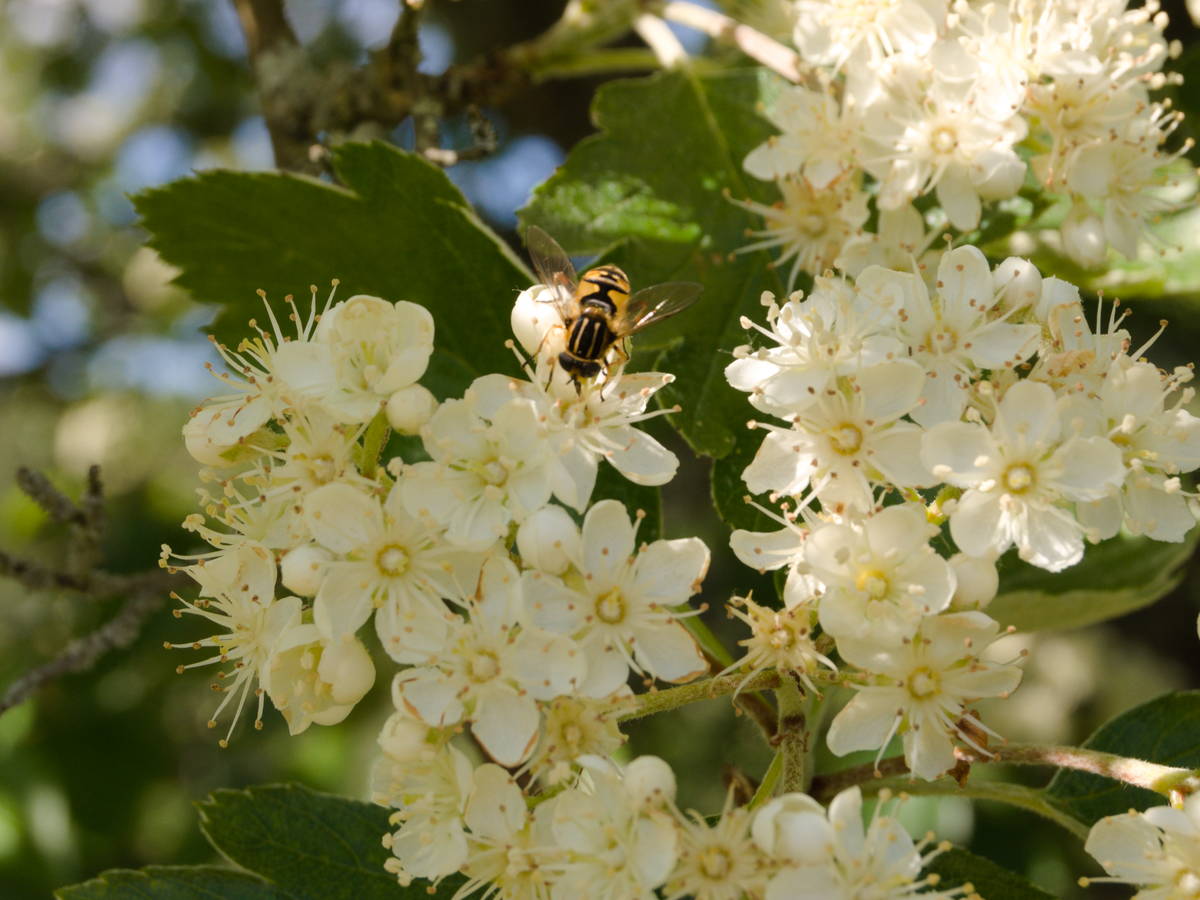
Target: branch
{"points": [[793, 735], [145, 592], [82, 654], [301, 103], [271, 44], [653, 702], [756, 45], [1165, 780]]}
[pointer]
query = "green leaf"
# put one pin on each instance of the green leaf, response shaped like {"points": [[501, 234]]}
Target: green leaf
{"points": [[1166, 730], [173, 883], [315, 846], [729, 491], [666, 199], [398, 229], [1115, 577], [958, 867]]}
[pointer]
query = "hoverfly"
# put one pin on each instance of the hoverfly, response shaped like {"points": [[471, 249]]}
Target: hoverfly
{"points": [[597, 310]]}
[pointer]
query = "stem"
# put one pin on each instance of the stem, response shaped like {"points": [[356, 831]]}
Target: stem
{"points": [[766, 790], [659, 38], [655, 702], [1161, 779], [755, 44], [607, 61], [1032, 799], [1155, 777], [793, 735]]}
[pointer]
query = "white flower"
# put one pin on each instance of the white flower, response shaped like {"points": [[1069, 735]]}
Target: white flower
{"points": [[927, 135], [1157, 850], [386, 559], [841, 33], [717, 862], [836, 331], [487, 669], [846, 441], [260, 390], [484, 473], [618, 849], [810, 224], [250, 622], [431, 796], [621, 606], [310, 678], [593, 423], [1157, 441], [510, 856], [954, 335], [818, 140], [548, 540], [365, 350], [880, 574], [780, 639], [920, 689], [836, 858], [1019, 475], [573, 727]]}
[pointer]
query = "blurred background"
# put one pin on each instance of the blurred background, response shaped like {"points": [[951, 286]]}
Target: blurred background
{"points": [[100, 360]]}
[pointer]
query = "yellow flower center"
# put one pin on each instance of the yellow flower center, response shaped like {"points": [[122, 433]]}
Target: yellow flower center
{"points": [[846, 439], [924, 683], [572, 734], [610, 607], [715, 863], [483, 667], [942, 340], [873, 583], [391, 560], [781, 637], [943, 140], [1018, 478], [322, 469]]}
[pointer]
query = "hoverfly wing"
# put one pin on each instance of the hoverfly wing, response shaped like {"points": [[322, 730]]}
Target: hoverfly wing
{"points": [[553, 267], [655, 303]]}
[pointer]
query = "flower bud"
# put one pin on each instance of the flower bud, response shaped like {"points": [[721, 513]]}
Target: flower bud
{"points": [[300, 570], [1019, 283], [650, 781], [792, 827], [404, 737], [410, 408], [548, 540], [533, 316], [347, 668], [977, 581]]}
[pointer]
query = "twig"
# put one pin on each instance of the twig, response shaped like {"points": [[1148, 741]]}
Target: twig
{"points": [[672, 698], [1152, 776], [56, 504], [755, 44], [793, 735], [270, 39], [82, 575], [301, 103], [83, 653]]}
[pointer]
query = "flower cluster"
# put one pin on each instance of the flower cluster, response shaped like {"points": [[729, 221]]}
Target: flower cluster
{"points": [[616, 834], [983, 398], [968, 102]]}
